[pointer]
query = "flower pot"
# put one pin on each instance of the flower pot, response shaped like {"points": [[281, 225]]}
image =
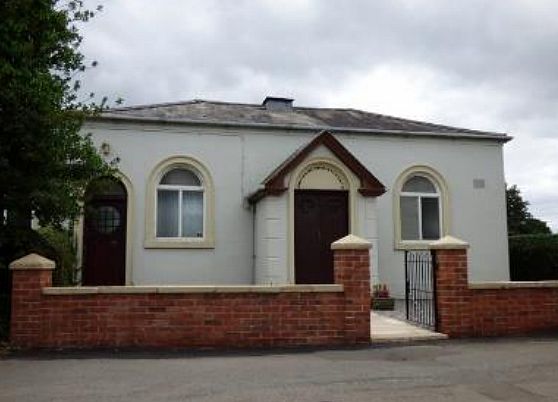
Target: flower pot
{"points": [[383, 303]]}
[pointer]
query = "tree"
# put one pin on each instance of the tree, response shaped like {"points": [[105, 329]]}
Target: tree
{"points": [[520, 220], [45, 162]]}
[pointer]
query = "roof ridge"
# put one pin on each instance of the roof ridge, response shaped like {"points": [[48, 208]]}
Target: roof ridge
{"points": [[229, 103], [153, 105], [183, 102], [197, 100]]}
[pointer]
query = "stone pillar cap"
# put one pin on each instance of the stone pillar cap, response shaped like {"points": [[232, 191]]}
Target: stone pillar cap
{"points": [[449, 243], [32, 261], [351, 242]]}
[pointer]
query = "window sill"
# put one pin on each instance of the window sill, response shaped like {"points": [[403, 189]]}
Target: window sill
{"points": [[413, 245], [179, 243]]}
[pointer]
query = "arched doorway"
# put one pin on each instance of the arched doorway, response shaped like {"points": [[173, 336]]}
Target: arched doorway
{"points": [[321, 216], [104, 233]]}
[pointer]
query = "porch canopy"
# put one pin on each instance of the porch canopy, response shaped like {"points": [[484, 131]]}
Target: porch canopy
{"points": [[274, 183]]}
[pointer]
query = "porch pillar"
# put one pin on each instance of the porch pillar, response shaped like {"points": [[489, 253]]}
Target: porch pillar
{"points": [[453, 297], [351, 266], [30, 274]]}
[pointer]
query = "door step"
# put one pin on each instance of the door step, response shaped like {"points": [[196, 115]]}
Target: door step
{"points": [[387, 330]]}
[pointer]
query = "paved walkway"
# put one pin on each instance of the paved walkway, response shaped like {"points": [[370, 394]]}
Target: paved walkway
{"points": [[389, 329]]}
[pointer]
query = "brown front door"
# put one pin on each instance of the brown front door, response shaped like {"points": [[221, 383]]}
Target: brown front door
{"points": [[104, 237], [321, 217]]}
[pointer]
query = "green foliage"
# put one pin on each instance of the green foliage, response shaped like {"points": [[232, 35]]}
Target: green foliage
{"points": [[45, 162], [533, 257], [58, 247], [520, 220]]}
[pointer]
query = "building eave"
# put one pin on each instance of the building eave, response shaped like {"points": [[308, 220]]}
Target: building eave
{"points": [[490, 136]]}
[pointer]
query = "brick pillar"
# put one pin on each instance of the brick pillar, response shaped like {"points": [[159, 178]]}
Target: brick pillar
{"points": [[453, 297], [351, 265], [30, 274]]}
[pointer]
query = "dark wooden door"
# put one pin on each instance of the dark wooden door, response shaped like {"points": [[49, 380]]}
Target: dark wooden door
{"points": [[104, 240], [321, 217]]}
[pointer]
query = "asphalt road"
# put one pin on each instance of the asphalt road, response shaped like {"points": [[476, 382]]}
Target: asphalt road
{"points": [[522, 369]]}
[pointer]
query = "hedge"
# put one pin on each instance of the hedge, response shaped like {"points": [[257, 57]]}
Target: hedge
{"points": [[533, 257]]}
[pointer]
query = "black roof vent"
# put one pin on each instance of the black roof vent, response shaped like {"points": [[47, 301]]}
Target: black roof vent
{"points": [[275, 104]]}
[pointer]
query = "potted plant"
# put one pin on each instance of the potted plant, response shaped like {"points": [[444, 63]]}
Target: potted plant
{"points": [[381, 299]]}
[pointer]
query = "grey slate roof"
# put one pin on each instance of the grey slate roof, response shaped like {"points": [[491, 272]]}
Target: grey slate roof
{"points": [[239, 114]]}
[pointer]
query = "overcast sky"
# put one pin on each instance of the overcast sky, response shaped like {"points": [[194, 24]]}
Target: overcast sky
{"points": [[489, 65]]}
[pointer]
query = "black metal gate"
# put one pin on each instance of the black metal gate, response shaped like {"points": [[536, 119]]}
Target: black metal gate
{"points": [[420, 288]]}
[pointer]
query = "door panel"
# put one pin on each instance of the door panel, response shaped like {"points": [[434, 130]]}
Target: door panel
{"points": [[104, 241], [321, 217]]}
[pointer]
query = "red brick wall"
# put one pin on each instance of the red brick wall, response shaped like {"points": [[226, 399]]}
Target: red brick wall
{"points": [[195, 319], [351, 269], [488, 312], [27, 302]]}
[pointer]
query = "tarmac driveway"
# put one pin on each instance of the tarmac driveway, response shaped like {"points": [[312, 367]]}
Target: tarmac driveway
{"points": [[521, 369]]}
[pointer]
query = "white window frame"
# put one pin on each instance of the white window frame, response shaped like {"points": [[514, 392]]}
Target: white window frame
{"points": [[154, 185], [181, 189], [442, 192], [420, 196]]}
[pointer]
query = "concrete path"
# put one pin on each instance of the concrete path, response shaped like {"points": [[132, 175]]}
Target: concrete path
{"points": [[524, 369], [388, 329]]}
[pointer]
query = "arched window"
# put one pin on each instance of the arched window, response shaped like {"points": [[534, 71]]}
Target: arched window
{"points": [[180, 205], [420, 209]]}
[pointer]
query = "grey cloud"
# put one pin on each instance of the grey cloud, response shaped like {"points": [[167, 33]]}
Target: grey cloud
{"points": [[476, 41]]}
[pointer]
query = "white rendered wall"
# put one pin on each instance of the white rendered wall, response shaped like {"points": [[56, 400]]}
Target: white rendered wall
{"points": [[239, 160], [139, 150], [271, 241], [476, 215], [368, 221]]}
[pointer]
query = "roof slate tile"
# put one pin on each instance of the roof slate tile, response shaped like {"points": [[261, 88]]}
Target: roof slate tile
{"points": [[301, 117]]}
